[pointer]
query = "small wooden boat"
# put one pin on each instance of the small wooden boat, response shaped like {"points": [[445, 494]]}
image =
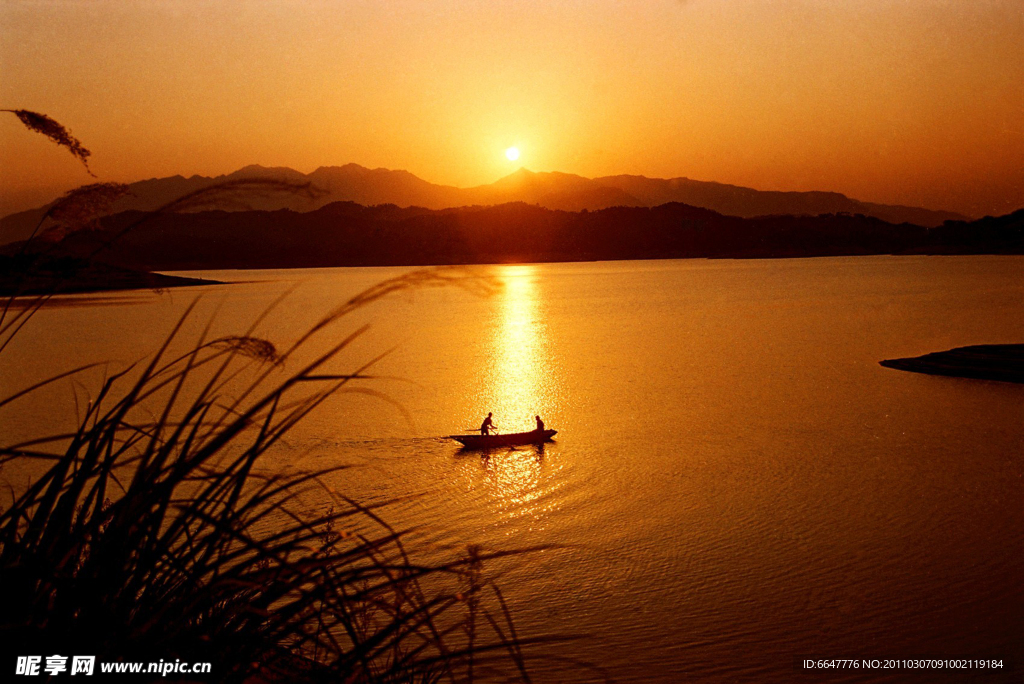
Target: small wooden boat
{"points": [[511, 439]]}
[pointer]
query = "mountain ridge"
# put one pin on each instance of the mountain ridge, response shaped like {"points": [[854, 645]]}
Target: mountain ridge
{"points": [[551, 190]]}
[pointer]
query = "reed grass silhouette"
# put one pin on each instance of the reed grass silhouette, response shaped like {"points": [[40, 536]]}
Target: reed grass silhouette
{"points": [[152, 532], [149, 532]]}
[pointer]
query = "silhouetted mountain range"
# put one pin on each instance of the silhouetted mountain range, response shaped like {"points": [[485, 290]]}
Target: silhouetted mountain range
{"points": [[348, 234], [560, 191]]}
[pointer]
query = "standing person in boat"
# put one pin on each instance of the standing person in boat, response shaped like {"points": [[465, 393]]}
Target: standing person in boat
{"points": [[540, 424], [487, 425]]}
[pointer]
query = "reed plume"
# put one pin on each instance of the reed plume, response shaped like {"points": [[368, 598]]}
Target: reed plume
{"points": [[252, 347], [235, 195], [81, 208], [41, 123]]}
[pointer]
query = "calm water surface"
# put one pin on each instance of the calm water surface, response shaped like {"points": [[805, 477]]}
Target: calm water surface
{"points": [[739, 482]]}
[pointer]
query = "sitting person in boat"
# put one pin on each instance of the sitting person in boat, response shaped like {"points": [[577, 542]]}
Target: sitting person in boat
{"points": [[487, 425], [540, 424]]}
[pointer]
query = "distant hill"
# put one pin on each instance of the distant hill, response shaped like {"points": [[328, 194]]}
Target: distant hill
{"points": [[560, 191], [349, 234], [734, 200]]}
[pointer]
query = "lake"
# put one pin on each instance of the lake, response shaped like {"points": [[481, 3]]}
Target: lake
{"points": [[736, 482]]}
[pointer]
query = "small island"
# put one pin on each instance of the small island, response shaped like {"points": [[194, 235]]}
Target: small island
{"points": [[1002, 362]]}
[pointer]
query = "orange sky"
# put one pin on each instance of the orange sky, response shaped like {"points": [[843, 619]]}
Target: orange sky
{"points": [[917, 102]]}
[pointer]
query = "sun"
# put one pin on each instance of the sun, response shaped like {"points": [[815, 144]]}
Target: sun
{"points": [[512, 153]]}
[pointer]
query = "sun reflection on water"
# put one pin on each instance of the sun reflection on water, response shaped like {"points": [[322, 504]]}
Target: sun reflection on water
{"points": [[519, 385], [516, 473]]}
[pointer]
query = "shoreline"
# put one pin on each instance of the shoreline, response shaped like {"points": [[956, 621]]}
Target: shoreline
{"points": [[105, 279], [998, 362]]}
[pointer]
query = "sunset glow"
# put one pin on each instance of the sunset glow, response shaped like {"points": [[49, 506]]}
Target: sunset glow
{"points": [[896, 102]]}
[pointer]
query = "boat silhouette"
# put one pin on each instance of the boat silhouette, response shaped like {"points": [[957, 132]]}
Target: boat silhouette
{"points": [[510, 439]]}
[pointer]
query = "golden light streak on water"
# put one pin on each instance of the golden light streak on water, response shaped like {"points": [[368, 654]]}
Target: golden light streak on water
{"points": [[519, 360], [519, 383], [516, 475]]}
